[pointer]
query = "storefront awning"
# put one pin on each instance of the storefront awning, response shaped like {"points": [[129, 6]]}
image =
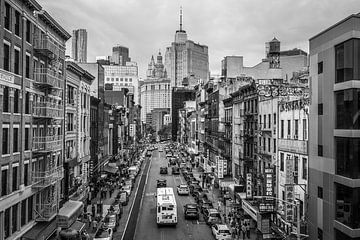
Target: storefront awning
{"points": [[42, 230], [110, 169]]}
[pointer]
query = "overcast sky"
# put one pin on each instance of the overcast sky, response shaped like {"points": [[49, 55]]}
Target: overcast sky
{"points": [[227, 27]]}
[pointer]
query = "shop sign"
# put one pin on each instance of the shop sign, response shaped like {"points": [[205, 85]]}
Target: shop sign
{"points": [[267, 206], [269, 182], [249, 209], [220, 169], [289, 208], [225, 166], [248, 185], [289, 170]]}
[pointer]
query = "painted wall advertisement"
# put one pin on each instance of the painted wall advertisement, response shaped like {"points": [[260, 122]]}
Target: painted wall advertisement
{"points": [[248, 185], [289, 190]]}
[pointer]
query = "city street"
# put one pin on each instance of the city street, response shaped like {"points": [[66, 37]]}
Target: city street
{"points": [[147, 228]]}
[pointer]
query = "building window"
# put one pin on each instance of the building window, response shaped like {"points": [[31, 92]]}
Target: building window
{"points": [[320, 192], [15, 178], [15, 139], [27, 103], [320, 234], [289, 128], [16, 100], [304, 165], [26, 174], [28, 31], [27, 67], [346, 61], [274, 119], [7, 223], [17, 23], [305, 130], [320, 150], [23, 213], [347, 205], [282, 161], [16, 61], [264, 121], [30, 208], [347, 157], [282, 129], [274, 145], [70, 95], [70, 122], [296, 128], [6, 57], [320, 67], [7, 17], [14, 218], [320, 109], [347, 109], [269, 144], [5, 141], [269, 125], [4, 182]]}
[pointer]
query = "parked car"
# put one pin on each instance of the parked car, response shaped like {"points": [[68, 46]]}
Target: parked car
{"points": [[161, 183], [221, 232], [127, 189], [163, 170], [124, 198], [111, 221], [118, 208], [183, 189], [212, 216], [104, 234], [191, 210], [175, 171], [195, 188], [130, 183], [199, 196], [205, 204]]}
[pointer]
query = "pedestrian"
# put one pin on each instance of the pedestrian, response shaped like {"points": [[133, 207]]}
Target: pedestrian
{"points": [[94, 225], [248, 230], [243, 229], [233, 232]]}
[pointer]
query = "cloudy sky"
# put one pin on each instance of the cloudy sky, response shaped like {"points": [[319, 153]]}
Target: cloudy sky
{"points": [[227, 27]]}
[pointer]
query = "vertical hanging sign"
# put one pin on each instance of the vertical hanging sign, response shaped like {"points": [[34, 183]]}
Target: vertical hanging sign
{"points": [[248, 185]]}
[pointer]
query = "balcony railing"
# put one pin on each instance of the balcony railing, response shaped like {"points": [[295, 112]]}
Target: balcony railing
{"points": [[44, 45], [46, 178], [46, 211], [47, 143], [48, 110], [48, 77]]}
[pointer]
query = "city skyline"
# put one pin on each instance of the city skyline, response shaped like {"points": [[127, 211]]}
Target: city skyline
{"points": [[219, 26]]}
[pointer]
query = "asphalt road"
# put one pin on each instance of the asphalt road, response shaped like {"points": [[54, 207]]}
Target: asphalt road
{"points": [[146, 227]]}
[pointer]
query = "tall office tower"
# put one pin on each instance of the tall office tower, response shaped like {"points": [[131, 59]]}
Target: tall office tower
{"points": [[334, 133], [32, 87], [120, 55], [79, 45], [184, 58]]}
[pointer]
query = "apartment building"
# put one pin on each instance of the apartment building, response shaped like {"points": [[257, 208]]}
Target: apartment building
{"points": [[334, 136], [77, 131], [32, 70]]}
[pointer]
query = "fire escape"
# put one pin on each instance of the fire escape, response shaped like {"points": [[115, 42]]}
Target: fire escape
{"points": [[48, 116]]}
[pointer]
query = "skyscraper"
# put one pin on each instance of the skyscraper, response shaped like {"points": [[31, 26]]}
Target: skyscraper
{"points": [[120, 55], [79, 45], [184, 58]]}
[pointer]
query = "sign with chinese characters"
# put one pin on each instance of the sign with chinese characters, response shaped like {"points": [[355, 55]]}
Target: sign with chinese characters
{"points": [[269, 188], [220, 168], [225, 166], [289, 208], [248, 185], [266, 206]]}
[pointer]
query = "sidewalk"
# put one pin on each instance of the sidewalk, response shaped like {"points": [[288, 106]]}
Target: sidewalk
{"points": [[214, 195]]}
